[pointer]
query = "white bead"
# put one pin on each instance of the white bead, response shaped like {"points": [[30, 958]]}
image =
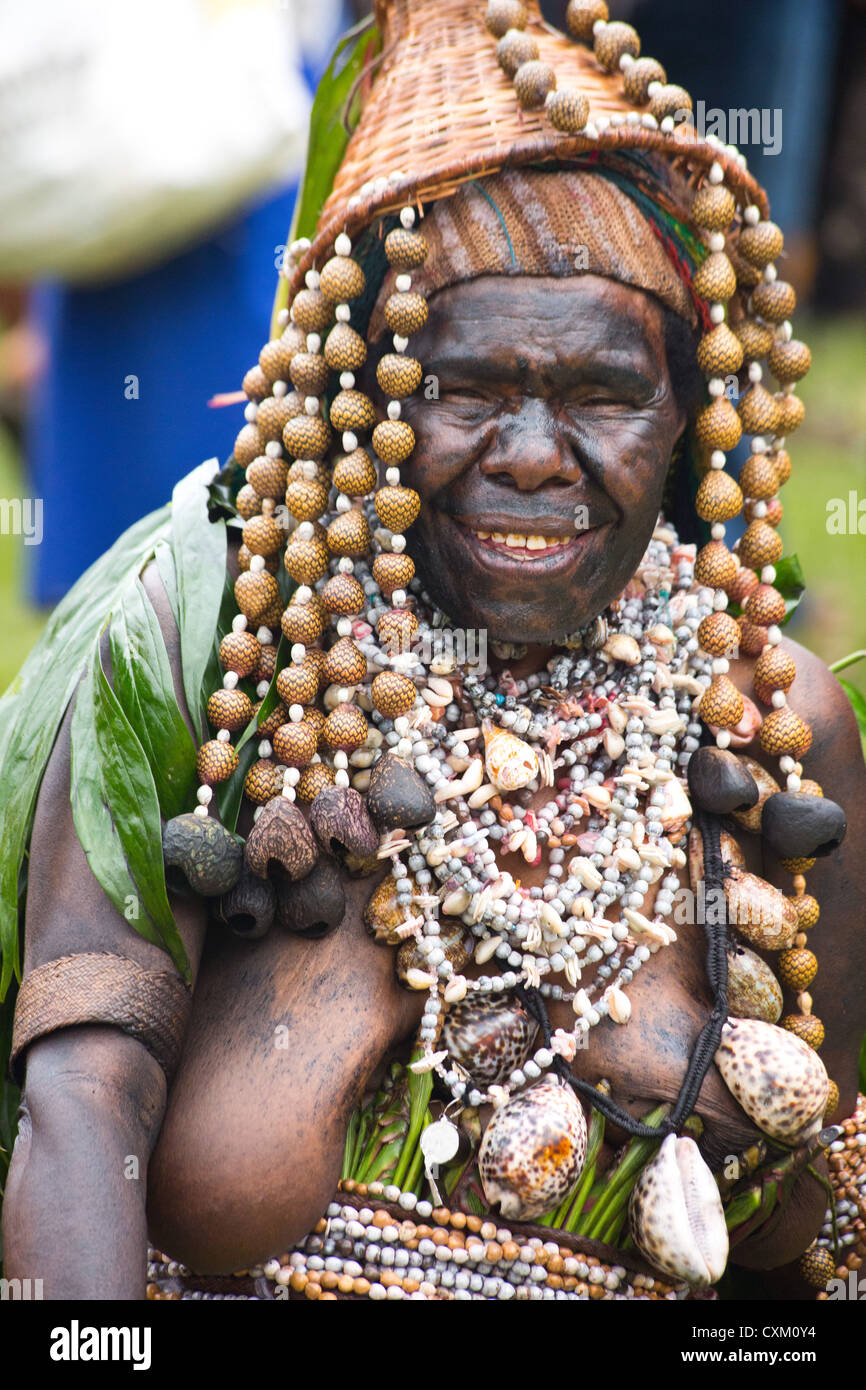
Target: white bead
{"points": [[392, 477], [752, 216], [759, 444], [667, 126], [342, 313], [793, 783], [344, 694], [395, 410], [717, 242], [342, 503], [787, 331], [779, 699], [398, 598], [311, 279], [350, 442], [343, 246], [282, 318], [786, 763], [291, 777], [297, 247], [274, 449], [262, 689], [648, 120], [201, 811], [314, 343], [345, 565], [774, 635], [204, 796], [770, 274], [590, 131], [309, 468], [768, 574], [299, 651], [403, 284], [407, 218], [296, 713], [341, 778], [716, 174], [404, 748], [239, 623], [265, 636], [717, 530], [344, 627], [717, 313], [721, 666], [257, 564], [723, 739], [755, 371], [280, 389], [224, 735], [717, 459], [265, 749], [341, 759], [400, 343], [716, 386], [626, 62], [720, 600], [251, 410], [303, 594], [347, 380], [759, 510], [398, 544], [311, 405], [598, 26], [304, 531]]}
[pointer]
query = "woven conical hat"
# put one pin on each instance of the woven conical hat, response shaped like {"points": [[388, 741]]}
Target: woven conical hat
{"points": [[441, 111]]}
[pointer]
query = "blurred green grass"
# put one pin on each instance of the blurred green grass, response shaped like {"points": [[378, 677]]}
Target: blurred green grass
{"points": [[829, 460]]}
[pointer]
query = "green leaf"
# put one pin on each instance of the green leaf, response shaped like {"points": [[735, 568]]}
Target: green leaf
{"points": [[858, 703], [230, 793], [213, 673], [33, 707], [144, 687], [199, 551], [790, 583], [165, 564]]}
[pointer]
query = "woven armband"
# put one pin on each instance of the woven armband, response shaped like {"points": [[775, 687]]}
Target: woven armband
{"points": [[150, 1005]]}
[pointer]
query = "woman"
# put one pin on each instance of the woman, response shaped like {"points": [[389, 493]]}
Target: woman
{"points": [[530, 397]]}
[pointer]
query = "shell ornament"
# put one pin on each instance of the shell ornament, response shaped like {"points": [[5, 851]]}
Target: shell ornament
{"points": [[510, 762], [778, 1080], [533, 1150], [676, 1216]]}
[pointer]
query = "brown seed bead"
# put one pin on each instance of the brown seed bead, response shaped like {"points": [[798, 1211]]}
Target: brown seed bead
{"points": [[345, 729], [309, 373], [254, 593], [306, 500], [229, 709], [315, 718], [775, 668], [302, 622], [352, 410], [406, 313], [715, 279], [345, 349], [515, 48], [263, 782], [397, 628], [748, 276], [311, 311], [567, 110], [298, 684], [758, 478], [215, 762], [399, 375], [797, 969], [715, 565], [256, 385], [248, 445], [805, 1026], [774, 300], [718, 425], [306, 561], [772, 515], [268, 663], [503, 15], [718, 497], [343, 595], [240, 652], [788, 361], [760, 545], [314, 778], [808, 910], [278, 715], [263, 536], [719, 634], [275, 413], [797, 866], [295, 744], [355, 474], [765, 606], [722, 703], [341, 279], [315, 657], [393, 694], [275, 359], [713, 207], [832, 1101], [746, 580], [581, 15], [267, 478], [669, 101], [758, 410], [753, 638], [397, 507], [757, 338], [761, 243], [810, 787], [720, 352], [405, 250], [791, 412], [783, 731], [349, 535], [392, 571], [612, 41], [635, 81], [393, 441], [817, 1267], [532, 82], [248, 502], [307, 437], [345, 663]]}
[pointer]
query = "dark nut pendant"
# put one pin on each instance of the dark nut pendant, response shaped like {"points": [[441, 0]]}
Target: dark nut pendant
{"points": [[281, 836], [797, 825], [342, 824], [201, 855], [249, 909], [719, 781], [398, 797], [316, 904]]}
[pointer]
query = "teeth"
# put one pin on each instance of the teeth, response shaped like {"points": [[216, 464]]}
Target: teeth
{"points": [[483, 535], [498, 536], [516, 541], [536, 543]]}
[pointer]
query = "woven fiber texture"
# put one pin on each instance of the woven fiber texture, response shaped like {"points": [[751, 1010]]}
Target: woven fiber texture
{"points": [[152, 1006]]}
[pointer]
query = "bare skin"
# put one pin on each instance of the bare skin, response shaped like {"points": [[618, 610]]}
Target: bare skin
{"points": [[242, 1157]]}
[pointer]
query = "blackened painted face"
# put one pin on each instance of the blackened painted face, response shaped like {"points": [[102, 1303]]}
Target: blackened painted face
{"points": [[552, 431]]}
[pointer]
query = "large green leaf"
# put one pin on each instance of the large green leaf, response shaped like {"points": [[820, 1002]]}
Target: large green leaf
{"points": [[33, 707], [790, 583], [142, 680], [858, 703], [199, 552]]}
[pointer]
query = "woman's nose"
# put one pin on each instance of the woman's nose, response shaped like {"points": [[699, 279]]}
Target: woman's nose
{"points": [[531, 449]]}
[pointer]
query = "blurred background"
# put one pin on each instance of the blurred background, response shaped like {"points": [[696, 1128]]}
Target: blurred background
{"points": [[151, 156]]}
